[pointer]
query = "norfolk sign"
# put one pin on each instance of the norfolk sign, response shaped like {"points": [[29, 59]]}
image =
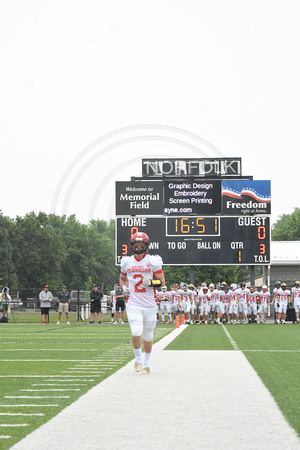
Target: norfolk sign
{"points": [[202, 167]]}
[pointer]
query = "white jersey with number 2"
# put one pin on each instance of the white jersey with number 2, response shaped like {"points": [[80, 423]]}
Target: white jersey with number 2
{"points": [[139, 293]]}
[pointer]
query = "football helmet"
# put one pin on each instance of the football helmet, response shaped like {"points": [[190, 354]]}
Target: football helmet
{"points": [[223, 285], [283, 285], [264, 288], [184, 286], [139, 238], [277, 283], [297, 284], [242, 285]]}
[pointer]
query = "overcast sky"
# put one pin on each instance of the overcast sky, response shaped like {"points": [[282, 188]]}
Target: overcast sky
{"points": [[89, 88]]}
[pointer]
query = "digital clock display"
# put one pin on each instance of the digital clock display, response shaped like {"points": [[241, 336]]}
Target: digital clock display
{"points": [[220, 240], [193, 226]]}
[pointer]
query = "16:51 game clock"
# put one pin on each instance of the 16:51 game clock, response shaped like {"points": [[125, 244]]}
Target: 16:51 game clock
{"points": [[216, 240]]}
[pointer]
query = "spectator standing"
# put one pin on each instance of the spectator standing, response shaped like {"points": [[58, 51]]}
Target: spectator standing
{"points": [[5, 299], [45, 298], [63, 304], [120, 304], [95, 296]]}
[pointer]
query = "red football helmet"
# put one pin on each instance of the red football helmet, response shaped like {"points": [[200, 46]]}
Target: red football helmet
{"points": [[139, 237]]}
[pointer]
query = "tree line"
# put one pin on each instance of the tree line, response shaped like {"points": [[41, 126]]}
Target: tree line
{"points": [[40, 249]]}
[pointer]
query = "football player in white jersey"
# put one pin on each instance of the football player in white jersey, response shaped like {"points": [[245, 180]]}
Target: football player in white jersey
{"points": [[264, 297], [219, 307], [243, 300], [185, 301], [233, 303], [225, 297], [164, 303], [175, 300], [212, 303], [276, 291], [204, 304], [194, 305], [144, 273], [253, 305], [284, 297], [296, 298]]}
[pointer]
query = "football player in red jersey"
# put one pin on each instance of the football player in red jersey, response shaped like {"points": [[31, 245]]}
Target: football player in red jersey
{"points": [[144, 273]]}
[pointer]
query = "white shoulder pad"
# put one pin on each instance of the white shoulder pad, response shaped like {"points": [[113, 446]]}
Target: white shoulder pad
{"points": [[156, 260], [124, 260]]}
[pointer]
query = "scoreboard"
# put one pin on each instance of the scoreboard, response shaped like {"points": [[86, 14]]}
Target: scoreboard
{"points": [[195, 240]]}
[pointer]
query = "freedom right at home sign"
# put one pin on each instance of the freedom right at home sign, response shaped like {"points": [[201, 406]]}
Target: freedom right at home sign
{"points": [[246, 197]]}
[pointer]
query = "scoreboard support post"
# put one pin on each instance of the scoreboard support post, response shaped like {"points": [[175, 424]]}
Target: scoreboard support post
{"points": [[192, 275], [252, 276]]}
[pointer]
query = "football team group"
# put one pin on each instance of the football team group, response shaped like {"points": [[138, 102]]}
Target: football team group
{"points": [[142, 274]]}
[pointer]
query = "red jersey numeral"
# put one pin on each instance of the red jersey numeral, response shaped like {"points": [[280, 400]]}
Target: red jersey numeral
{"points": [[137, 288]]}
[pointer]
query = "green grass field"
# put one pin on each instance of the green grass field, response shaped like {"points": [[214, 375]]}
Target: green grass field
{"points": [[44, 368], [272, 350]]}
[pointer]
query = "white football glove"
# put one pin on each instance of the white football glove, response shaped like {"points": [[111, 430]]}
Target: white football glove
{"points": [[153, 283], [147, 281], [125, 290]]}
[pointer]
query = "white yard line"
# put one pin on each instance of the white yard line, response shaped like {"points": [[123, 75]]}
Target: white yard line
{"points": [[27, 406], [36, 396], [21, 414], [202, 399], [232, 341]]}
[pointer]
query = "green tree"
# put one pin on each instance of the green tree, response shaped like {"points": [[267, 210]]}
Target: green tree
{"points": [[39, 248], [7, 266], [287, 228]]}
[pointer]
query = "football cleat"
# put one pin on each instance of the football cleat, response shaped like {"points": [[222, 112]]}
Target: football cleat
{"points": [[138, 367], [146, 371]]}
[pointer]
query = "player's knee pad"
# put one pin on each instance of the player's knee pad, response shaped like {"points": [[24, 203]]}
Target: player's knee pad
{"points": [[136, 328], [148, 333]]}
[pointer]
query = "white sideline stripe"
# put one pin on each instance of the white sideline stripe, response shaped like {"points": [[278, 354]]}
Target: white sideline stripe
{"points": [[21, 414], [14, 425], [5, 437], [35, 396], [232, 341], [28, 405], [141, 399]]}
